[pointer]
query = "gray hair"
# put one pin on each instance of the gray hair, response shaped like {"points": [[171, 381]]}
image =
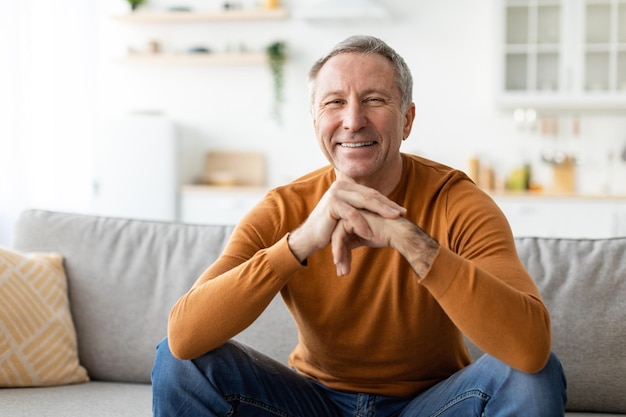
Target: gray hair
{"points": [[369, 45]]}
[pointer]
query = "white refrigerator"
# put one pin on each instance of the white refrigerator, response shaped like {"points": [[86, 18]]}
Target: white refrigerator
{"points": [[135, 168]]}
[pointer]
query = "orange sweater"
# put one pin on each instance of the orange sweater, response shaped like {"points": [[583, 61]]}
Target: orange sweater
{"points": [[381, 329]]}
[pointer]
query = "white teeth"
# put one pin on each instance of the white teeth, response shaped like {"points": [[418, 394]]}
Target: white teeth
{"points": [[356, 145]]}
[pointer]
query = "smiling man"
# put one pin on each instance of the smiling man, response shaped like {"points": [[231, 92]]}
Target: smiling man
{"points": [[385, 260]]}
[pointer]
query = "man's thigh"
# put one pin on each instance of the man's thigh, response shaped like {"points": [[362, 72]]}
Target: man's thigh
{"points": [[255, 384], [490, 387]]}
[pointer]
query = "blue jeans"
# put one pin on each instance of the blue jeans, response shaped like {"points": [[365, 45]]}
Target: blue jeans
{"points": [[235, 380]]}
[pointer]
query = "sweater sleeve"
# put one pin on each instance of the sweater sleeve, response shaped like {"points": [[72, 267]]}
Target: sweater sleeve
{"points": [[233, 291], [479, 281]]}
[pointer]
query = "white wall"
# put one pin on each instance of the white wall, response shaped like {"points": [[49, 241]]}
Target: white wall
{"points": [[451, 57], [47, 106], [449, 44]]}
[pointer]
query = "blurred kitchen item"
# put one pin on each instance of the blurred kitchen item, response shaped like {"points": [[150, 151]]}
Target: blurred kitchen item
{"points": [[487, 178], [564, 154], [564, 176], [232, 168], [519, 179], [154, 47], [624, 153], [473, 168], [272, 4], [549, 130], [481, 173], [221, 178]]}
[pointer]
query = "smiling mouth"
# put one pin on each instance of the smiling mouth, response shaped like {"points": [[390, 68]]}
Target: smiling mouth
{"points": [[356, 145]]}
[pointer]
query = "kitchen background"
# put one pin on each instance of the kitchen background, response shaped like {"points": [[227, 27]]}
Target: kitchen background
{"points": [[104, 112]]}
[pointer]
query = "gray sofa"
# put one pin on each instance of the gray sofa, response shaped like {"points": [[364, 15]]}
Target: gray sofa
{"points": [[124, 275]]}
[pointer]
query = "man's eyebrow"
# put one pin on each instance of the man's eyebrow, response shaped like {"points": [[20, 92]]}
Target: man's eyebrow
{"points": [[363, 93], [377, 91]]}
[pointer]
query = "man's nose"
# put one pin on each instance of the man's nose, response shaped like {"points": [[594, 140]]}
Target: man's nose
{"points": [[354, 117]]}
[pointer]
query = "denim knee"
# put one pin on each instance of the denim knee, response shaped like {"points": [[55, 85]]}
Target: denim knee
{"points": [[165, 370], [556, 381], [538, 394], [162, 360], [180, 388]]}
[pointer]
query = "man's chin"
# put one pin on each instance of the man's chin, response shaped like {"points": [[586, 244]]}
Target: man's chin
{"points": [[355, 174]]}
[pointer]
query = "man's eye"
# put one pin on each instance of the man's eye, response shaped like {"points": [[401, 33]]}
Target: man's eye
{"points": [[374, 100]]}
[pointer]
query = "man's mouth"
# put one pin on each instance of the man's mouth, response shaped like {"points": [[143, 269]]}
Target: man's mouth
{"points": [[356, 145]]}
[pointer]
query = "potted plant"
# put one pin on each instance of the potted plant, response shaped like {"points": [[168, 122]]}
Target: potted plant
{"points": [[276, 54], [135, 3]]}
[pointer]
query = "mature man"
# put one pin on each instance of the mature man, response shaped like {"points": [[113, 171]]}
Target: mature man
{"points": [[385, 261]]}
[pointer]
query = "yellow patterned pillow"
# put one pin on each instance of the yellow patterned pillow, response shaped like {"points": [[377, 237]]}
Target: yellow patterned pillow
{"points": [[37, 335]]}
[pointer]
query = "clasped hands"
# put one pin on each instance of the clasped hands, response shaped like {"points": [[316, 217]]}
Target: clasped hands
{"points": [[348, 216]]}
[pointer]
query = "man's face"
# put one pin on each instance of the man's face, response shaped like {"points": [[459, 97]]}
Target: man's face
{"points": [[358, 118]]}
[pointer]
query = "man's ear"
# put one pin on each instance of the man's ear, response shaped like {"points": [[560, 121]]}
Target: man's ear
{"points": [[409, 116]]}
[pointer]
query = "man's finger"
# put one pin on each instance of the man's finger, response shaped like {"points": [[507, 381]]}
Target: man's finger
{"points": [[341, 247], [366, 198]]}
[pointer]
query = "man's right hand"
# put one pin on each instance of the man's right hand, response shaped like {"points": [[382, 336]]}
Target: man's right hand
{"points": [[344, 200]]}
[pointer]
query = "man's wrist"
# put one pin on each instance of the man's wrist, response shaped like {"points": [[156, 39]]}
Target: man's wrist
{"points": [[296, 248], [415, 245]]}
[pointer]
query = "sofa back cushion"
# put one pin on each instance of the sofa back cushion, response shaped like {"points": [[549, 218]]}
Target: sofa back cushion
{"points": [[583, 283], [123, 278], [125, 275]]}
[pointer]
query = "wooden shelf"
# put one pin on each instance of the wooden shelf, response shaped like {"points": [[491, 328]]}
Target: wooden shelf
{"points": [[197, 59], [203, 16]]}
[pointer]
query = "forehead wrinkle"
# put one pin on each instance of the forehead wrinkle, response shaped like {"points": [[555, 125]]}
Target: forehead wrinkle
{"points": [[365, 70]]}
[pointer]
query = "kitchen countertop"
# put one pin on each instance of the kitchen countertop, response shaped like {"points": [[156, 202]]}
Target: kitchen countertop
{"points": [[206, 188], [552, 195]]}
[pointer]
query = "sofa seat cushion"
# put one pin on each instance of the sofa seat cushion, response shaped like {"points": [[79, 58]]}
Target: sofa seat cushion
{"points": [[93, 399], [574, 414], [100, 399]]}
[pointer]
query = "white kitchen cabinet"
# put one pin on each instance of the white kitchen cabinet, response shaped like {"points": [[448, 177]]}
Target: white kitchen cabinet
{"points": [[563, 54], [565, 217], [217, 205]]}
